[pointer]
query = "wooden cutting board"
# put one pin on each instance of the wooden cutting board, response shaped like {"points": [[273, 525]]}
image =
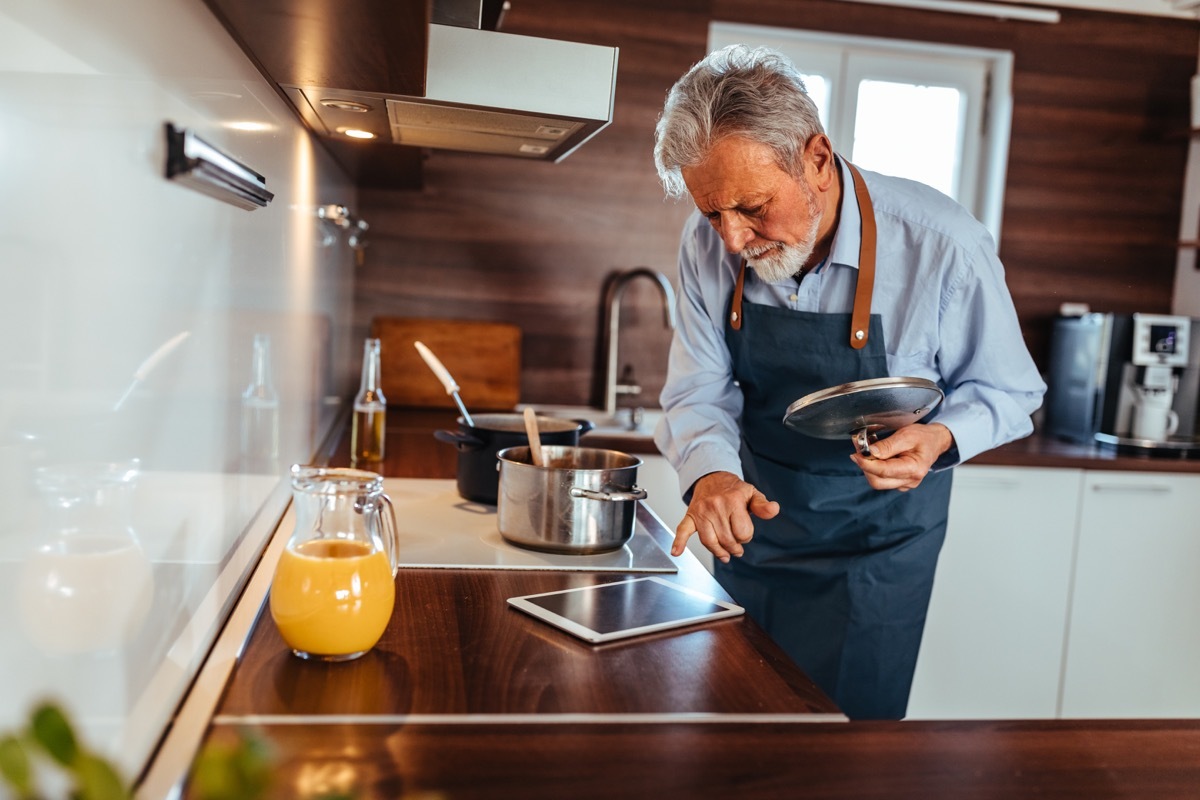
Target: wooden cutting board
{"points": [[483, 357]]}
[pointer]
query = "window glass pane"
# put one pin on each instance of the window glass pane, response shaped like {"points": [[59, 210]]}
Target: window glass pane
{"points": [[818, 90], [886, 141]]}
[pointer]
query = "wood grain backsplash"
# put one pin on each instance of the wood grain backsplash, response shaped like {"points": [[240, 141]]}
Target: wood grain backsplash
{"points": [[1091, 214]]}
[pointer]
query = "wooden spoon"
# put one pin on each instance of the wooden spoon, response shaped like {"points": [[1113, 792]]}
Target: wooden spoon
{"points": [[535, 441]]}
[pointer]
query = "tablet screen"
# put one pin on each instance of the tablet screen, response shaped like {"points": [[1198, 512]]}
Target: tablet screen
{"points": [[625, 608]]}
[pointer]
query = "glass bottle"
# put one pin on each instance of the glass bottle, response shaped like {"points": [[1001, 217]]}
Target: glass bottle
{"points": [[260, 412], [370, 409]]}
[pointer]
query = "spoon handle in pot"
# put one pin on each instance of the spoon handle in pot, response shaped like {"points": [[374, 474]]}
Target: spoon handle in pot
{"points": [[443, 375], [535, 441]]}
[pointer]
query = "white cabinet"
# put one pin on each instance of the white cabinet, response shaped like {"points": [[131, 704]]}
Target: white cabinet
{"points": [[993, 641], [1133, 646]]}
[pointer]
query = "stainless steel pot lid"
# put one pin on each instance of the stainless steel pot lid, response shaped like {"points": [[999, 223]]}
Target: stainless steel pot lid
{"points": [[861, 409]]}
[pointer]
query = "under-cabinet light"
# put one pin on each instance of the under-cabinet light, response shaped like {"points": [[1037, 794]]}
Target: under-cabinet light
{"points": [[195, 163]]}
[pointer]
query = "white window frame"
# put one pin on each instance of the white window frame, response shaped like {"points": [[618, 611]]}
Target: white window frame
{"points": [[983, 75]]}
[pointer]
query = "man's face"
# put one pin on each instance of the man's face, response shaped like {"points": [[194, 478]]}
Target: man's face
{"points": [[762, 213]]}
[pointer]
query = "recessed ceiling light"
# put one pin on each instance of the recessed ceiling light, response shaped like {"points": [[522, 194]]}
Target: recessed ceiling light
{"points": [[346, 105], [356, 133]]}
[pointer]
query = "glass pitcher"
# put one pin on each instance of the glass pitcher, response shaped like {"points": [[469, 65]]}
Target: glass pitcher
{"points": [[334, 586]]}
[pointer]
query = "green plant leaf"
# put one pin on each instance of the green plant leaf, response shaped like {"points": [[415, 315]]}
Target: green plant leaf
{"points": [[98, 780], [15, 765], [253, 762], [50, 728], [233, 771]]}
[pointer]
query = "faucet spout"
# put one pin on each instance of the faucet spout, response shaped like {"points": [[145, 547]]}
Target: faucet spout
{"points": [[612, 313]]}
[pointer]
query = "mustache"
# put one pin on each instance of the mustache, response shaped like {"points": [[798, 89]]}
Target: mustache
{"points": [[750, 253]]}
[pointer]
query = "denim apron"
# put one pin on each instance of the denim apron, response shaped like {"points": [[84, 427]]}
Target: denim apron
{"points": [[841, 578]]}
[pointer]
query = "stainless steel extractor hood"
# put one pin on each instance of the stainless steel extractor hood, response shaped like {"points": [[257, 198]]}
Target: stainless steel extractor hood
{"points": [[486, 92]]}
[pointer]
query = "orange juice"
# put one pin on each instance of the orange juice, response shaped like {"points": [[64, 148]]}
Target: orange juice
{"points": [[332, 598]]}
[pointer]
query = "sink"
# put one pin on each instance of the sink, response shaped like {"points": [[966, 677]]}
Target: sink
{"points": [[626, 422]]}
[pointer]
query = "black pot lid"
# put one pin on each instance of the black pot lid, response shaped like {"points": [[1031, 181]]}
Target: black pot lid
{"points": [[870, 406]]}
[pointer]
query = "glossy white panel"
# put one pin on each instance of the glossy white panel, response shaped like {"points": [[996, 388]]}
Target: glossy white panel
{"points": [[133, 496]]}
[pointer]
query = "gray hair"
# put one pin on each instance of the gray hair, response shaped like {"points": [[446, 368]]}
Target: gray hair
{"points": [[736, 91]]}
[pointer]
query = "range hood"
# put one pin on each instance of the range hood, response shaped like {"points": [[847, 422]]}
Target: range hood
{"points": [[486, 92]]}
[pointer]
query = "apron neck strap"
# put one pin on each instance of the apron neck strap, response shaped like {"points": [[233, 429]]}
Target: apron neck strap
{"points": [[735, 311], [860, 318]]}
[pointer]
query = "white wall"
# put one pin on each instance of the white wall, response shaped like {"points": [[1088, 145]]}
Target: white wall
{"points": [[1186, 296], [111, 591]]}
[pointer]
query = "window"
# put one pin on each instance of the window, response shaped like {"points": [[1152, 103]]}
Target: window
{"points": [[871, 93]]}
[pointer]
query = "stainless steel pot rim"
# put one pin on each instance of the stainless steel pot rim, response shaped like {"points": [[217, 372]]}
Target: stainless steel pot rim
{"points": [[515, 423], [606, 460]]}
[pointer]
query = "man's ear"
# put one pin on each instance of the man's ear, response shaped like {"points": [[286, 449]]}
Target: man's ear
{"points": [[819, 152]]}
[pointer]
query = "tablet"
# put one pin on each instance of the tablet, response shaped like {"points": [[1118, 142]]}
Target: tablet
{"points": [[626, 608]]}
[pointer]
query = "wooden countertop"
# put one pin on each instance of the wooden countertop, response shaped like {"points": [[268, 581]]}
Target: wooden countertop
{"points": [[467, 698]]}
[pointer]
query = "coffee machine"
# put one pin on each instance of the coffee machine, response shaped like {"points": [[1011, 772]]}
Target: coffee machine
{"points": [[1129, 381]]}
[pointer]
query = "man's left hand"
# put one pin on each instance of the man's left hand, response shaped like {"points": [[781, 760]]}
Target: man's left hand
{"points": [[902, 460]]}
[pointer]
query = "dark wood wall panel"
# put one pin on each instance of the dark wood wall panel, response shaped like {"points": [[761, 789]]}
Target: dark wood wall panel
{"points": [[1094, 186]]}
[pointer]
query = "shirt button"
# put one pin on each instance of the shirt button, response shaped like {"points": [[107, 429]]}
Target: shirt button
{"points": [[793, 297]]}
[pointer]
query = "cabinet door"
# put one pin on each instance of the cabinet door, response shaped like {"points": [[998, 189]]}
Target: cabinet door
{"points": [[993, 638], [1134, 645]]}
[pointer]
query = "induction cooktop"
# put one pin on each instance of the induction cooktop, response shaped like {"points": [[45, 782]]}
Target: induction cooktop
{"points": [[439, 529]]}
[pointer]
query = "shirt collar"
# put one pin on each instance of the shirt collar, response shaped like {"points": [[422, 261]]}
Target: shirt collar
{"points": [[847, 239]]}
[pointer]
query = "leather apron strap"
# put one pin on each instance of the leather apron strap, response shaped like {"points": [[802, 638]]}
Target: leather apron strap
{"points": [[735, 312], [860, 317]]}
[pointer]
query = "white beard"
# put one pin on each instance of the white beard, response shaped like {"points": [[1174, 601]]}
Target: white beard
{"points": [[777, 262]]}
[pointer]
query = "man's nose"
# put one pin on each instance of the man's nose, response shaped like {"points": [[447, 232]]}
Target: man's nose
{"points": [[736, 233]]}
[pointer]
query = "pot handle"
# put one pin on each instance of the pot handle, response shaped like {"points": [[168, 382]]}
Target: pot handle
{"points": [[459, 440], [591, 494], [585, 425]]}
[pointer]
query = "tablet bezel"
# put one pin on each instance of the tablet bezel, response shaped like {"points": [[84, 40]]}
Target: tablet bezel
{"points": [[579, 629]]}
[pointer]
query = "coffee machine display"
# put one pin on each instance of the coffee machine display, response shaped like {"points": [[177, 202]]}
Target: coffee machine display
{"points": [[1160, 352], [1128, 381]]}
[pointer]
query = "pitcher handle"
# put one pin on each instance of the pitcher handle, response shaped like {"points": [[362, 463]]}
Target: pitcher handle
{"points": [[392, 541]]}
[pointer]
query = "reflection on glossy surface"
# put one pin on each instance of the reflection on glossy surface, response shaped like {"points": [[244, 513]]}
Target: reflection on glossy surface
{"points": [[130, 309], [87, 587], [85, 593]]}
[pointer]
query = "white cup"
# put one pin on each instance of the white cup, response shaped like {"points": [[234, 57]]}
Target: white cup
{"points": [[1153, 417]]}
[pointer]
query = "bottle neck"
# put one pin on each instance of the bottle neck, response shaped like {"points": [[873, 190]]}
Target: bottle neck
{"points": [[368, 389], [260, 369]]}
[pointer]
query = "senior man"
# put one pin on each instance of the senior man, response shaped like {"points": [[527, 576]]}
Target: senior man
{"points": [[800, 272]]}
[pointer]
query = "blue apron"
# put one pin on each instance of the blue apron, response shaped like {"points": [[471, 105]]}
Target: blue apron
{"points": [[841, 578]]}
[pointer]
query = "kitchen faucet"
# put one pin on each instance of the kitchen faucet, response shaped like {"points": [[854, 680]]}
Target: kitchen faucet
{"points": [[612, 318]]}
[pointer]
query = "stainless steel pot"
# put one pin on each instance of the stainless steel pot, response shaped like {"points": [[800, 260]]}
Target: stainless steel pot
{"points": [[478, 445], [583, 501]]}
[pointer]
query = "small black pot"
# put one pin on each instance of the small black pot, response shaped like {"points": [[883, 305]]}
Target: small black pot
{"points": [[478, 468]]}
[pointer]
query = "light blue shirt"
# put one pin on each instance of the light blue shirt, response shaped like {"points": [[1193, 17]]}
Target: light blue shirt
{"points": [[939, 288]]}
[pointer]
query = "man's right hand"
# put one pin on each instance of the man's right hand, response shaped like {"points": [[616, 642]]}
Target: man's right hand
{"points": [[720, 515]]}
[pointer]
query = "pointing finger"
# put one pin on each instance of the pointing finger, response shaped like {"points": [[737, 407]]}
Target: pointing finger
{"points": [[683, 532]]}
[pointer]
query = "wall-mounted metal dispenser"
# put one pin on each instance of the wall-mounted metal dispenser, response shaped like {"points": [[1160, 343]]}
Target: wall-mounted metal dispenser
{"points": [[196, 163]]}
